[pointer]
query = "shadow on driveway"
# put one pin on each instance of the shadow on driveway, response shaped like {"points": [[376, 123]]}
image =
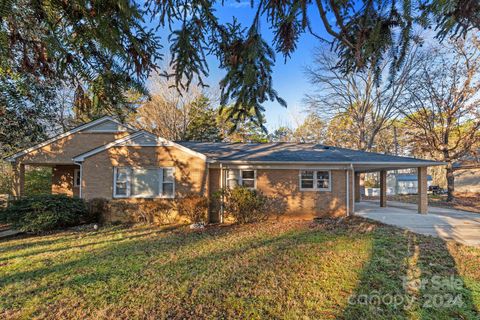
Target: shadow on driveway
{"points": [[448, 224]]}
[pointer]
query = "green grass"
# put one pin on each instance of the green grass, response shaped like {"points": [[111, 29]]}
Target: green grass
{"points": [[271, 270]]}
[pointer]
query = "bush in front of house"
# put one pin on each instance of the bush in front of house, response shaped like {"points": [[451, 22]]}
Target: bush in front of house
{"points": [[46, 212], [246, 205], [194, 207]]}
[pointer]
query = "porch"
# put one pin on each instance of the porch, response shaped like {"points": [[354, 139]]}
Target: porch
{"points": [[65, 178]]}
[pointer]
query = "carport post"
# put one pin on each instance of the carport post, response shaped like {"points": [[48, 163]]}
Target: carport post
{"points": [[357, 187], [18, 185], [383, 188], [422, 190]]}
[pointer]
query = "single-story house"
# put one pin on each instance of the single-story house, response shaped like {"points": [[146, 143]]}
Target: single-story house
{"points": [[405, 183], [110, 160]]}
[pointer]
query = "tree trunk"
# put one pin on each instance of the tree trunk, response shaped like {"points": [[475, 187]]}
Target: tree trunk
{"points": [[450, 182]]}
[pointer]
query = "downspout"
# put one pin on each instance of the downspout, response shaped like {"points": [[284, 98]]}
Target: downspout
{"points": [[353, 187], [348, 192], [222, 200]]}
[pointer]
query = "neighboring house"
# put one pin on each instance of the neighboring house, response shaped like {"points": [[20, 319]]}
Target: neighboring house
{"points": [[467, 175], [404, 183], [109, 160]]}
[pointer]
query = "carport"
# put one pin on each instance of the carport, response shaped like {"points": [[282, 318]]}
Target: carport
{"points": [[448, 224], [384, 166]]}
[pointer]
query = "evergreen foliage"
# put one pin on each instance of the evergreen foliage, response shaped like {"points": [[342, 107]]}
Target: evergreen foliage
{"points": [[103, 49]]}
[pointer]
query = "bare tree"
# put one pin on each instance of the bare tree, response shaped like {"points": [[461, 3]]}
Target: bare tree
{"points": [[369, 103], [167, 112], [442, 108]]}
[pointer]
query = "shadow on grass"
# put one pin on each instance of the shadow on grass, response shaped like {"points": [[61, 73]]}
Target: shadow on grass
{"points": [[44, 245], [410, 276], [185, 274]]}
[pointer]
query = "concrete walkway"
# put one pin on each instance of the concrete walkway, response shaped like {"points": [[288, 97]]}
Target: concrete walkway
{"points": [[448, 224], [8, 233]]}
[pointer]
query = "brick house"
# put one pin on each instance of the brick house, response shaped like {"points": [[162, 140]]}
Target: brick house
{"points": [[107, 159]]}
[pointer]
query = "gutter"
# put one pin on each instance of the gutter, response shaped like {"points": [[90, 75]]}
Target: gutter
{"points": [[347, 174], [413, 164]]}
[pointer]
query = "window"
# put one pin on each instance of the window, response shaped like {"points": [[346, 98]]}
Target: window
{"points": [[315, 180], [248, 178], [144, 182], [77, 178], [121, 183]]}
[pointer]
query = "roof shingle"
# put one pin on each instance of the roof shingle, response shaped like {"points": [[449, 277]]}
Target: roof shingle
{"points": [[290, 152]]}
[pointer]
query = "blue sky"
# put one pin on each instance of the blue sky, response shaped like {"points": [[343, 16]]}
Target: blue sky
{"points": [[288, 77]]}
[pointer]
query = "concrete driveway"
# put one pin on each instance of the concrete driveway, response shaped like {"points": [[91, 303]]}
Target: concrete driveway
{"points": [[448, 224]]}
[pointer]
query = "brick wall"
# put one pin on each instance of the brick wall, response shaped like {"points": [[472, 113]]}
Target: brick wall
{"points": [[63, 150], [62, 180], [97, 180], [284, 185]]}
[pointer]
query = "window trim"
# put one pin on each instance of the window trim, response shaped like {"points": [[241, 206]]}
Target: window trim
{"points": [[129, 183], [240, 179], [315, 180], [76, 175]]}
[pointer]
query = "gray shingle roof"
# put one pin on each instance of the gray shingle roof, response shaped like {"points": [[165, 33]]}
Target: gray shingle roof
{"points": [[291, 152]]}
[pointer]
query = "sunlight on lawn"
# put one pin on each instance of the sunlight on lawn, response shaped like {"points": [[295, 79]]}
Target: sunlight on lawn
{"points": [[280, 270]]}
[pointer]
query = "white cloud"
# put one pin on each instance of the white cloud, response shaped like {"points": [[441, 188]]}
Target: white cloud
{"points": [[238, 4]]}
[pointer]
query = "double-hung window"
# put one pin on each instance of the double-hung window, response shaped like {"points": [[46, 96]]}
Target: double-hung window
{"points": [[315, 180], [143, 182], [248, 179]]}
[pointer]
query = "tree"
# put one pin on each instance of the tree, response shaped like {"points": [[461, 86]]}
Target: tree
{"points": [[101, 48], [312, 130], [361, 103], [338, 132], [27, 123], [168, 112], [362, 35], [104, 48], [203, 125], [244, 129], [443, 105], [281, 134]]}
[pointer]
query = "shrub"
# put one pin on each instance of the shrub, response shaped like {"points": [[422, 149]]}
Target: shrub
{"points": [[246, 205], [157, 211], [194, 207], [46, 212], [98, 208]]}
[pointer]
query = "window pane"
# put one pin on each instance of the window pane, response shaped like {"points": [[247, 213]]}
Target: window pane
{"points": [[121, 189], [322, 175], [145, 182], [323, 179], [322, 184], [248, 174], [250, 183], [168, 175], [307, 175], [168, 189], [307, 184], [122, 174]]}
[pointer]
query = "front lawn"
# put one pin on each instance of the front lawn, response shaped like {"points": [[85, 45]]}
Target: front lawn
{"points": [[351, 270]]}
